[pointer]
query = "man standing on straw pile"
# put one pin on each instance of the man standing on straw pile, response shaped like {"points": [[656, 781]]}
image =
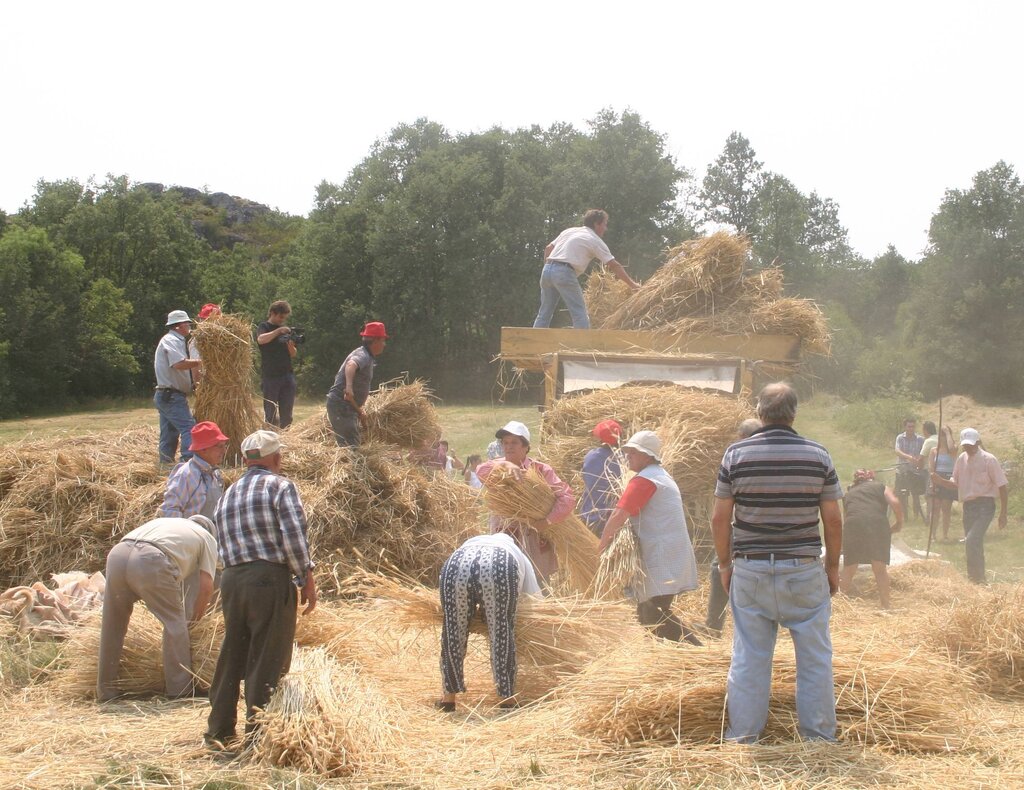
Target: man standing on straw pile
{"points": [[352, 385], [601, 476], [261, 528], [488, 572], [173, 367], [979, 478], [653, 503], [149, 564], [718, 599], [775, 484], [276, 377], [565, 259], [515, 443]]}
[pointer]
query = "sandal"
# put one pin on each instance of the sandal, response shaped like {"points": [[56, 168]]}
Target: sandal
{"points": [[447, 707]]}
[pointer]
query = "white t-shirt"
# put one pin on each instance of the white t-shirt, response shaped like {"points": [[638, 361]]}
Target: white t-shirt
{"points": [[578, 247], [527, 577]]}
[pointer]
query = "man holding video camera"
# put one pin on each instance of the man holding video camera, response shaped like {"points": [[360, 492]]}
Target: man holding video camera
{"points": [[277, 344]]}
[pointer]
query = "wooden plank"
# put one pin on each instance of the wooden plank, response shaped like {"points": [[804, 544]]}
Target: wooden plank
{"points": [[524, 346]]}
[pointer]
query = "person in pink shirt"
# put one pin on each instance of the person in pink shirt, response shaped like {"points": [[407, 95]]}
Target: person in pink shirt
{"points": [[979, 478], [515, 443]]}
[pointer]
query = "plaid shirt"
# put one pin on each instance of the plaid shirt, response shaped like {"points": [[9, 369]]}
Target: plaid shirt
{"points": [[193, 488], [260, 517]]}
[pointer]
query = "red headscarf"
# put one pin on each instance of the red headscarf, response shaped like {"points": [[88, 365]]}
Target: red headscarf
{"points": [[608, 432]]}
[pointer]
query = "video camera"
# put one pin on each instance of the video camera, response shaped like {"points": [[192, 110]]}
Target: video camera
{"points": [[297, 335]]}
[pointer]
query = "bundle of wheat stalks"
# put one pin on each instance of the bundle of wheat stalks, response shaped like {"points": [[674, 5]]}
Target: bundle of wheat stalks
{"points": [[61, 500], [225, 394], [396, 413], [326, 719], [141, 670], [695, 427], [620, 565], [701, 289], [529, 499], [653, 690], [366, 508]]}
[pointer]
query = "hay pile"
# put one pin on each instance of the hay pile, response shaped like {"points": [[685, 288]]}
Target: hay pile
{"points": [[367, 509], [225, 395], [531, 499], [695, 427], [326, 719], [701, 289], [659, 691], [396, 413], [61, 501]]}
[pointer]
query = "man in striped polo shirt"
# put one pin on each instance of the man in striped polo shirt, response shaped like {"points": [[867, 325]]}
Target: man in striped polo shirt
{"points": [[771, 489]]}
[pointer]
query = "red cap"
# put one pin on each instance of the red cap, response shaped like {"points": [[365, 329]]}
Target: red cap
{"points": [[208, 310], [206, 435], [608, 432], [374, 329]]}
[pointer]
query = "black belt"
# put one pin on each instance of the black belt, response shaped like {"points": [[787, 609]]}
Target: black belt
{"points": [[775, 556], [171, 389], [563, 263]]}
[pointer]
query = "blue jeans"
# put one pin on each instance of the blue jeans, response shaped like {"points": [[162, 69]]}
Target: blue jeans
{"points": [[765, 594], [978, 515], [176, 422], [559, 279]]}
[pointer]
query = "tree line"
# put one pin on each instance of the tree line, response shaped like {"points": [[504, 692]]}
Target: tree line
{"points": [[441, 234]]}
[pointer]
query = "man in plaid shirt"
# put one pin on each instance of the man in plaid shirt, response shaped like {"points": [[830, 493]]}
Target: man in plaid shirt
{"points": [[261, 531]]}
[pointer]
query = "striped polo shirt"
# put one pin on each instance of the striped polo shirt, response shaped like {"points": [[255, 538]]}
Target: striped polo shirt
{"points": [[777, 480]]}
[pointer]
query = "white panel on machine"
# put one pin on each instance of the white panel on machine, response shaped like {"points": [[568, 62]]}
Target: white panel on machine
{"points": [[594, 374]]}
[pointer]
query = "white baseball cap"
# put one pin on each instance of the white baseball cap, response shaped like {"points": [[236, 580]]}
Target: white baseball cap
{"points": [[514, 428], [969, 436], [646, 442], [177, 317], [205, 522], [261, 444]]}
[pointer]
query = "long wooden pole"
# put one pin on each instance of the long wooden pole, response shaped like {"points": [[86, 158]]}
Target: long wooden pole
{"points": [[931, 520]]}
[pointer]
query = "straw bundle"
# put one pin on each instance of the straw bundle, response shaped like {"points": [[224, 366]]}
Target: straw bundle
{"points": [[984, 634], [325, 719], [142, 670], [225, 394], [402, 414], [701, 289], [364, 509], [695, 427], [531, 499], [62, 502], [604, 293], [660, 691], [620, 565]]}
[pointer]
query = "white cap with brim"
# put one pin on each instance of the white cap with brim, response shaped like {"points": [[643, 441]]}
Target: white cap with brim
{"points": [[204, 522], [261, 444], [514, 428], [969, 436], [646, 442], [176, 317]]}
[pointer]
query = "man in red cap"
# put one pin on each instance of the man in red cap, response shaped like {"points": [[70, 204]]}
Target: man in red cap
{"points": [[602, 476], [194, 486], [352, 385]]}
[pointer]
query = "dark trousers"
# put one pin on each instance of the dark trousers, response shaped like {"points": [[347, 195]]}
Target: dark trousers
{"points": [[978, 515], [344, 422], [656, 613], [278, 399], [259, 602]]}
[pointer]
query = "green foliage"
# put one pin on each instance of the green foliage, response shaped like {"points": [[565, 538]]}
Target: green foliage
{"points": [[104, 363], [732, 184], [876, 422]]}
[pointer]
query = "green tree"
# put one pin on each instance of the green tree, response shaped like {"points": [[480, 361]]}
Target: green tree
{"points": [[779, 227], [732, 186], [104, 363], [39, 294]]}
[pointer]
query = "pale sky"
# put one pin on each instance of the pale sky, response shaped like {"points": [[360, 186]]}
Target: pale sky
{"points": [[881, 106]]}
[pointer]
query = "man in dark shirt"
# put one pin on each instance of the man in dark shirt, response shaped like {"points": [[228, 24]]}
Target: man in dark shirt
{"points": [[276, 377], [771, 490], [352, 385]]}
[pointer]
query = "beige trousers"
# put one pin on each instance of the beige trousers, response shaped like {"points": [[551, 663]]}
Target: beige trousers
{"points": [[140, 571]]}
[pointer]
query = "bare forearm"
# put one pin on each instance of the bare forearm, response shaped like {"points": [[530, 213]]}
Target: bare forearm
{"points": [[721, 530], [620, 272], [203, 598]]}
